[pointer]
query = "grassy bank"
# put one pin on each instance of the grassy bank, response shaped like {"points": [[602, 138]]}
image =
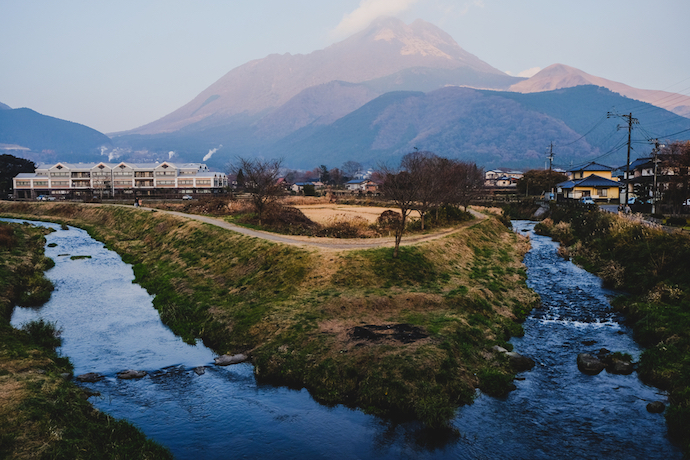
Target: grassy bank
{"points": [[409, 336], [42, 415], [654, 266]]}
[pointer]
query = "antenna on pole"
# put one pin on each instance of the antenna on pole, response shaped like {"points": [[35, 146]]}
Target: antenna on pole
{"points": [[550, 157]]}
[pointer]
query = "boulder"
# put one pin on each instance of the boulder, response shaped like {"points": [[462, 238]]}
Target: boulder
{"points": [[518, 362], [131, 374], [201, 370], [589, 365], [618, 366], [90, 377], [226, 360], [656, 407]]}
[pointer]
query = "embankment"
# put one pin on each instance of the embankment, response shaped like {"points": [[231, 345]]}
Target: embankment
{"points": [[409, 336]]}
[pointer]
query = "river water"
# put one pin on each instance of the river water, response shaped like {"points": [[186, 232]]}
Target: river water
{"points": [[109, 324]]}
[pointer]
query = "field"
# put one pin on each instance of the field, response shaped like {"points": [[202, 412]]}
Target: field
{"points": [[325, 213]]}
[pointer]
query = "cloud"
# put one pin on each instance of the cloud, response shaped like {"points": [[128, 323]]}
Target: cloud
{"points": [[526, 73], [366, 12], [171, 154]]}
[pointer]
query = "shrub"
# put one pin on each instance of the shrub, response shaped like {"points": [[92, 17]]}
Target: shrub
{"points": [[43, 333]]}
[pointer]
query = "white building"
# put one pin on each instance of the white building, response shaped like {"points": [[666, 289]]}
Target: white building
{"points": [[70, 180]]}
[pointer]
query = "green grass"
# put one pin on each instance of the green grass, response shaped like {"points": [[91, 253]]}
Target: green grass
{"points": [[294, 310]]}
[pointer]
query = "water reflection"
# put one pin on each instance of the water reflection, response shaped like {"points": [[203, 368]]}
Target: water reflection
{"points": [[109, 325]]}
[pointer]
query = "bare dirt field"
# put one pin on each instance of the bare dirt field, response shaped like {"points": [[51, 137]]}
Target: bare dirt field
{"points": [[324, 213]]}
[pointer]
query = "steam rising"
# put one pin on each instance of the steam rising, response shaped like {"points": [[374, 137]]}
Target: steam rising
{"points": [[210, 153]]}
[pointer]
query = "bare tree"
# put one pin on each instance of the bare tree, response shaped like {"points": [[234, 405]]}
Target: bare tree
{"points": [[350, 169], [425, 167], [466, 182], [401, 187], [261, 181], [675, 164]]}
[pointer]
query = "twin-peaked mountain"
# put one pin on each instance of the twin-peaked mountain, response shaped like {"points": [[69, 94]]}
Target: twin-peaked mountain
{"points": [[390, 88]]}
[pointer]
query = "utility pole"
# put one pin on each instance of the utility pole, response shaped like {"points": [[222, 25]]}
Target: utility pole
{"points": [[552, 194], [550, 157], [631, 121], [656, 164]]}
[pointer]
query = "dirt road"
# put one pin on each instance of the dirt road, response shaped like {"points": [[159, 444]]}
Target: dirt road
{"points": [[327, 244]]}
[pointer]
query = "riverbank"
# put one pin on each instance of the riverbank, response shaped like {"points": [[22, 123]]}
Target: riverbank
{"points": [[41, 413], [653, 266], [410, 337]]}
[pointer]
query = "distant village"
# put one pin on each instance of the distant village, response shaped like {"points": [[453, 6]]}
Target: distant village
{"points": [[592, 182]]}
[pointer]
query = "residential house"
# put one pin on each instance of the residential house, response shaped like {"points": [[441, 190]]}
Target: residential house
{"points": [[361, 185], [592, 179], [502, 177]]}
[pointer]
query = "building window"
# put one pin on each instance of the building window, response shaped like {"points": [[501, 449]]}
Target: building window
{"points": [[602, 191]]}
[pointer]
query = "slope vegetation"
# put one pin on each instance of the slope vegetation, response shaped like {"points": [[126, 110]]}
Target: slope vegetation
{"points": [[411, 336]]}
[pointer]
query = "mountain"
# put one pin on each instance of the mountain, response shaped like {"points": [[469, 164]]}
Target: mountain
{"points": [[5, 106], [492, 128], [559, 76], [393, 87], [43, 138], [386, 48]]}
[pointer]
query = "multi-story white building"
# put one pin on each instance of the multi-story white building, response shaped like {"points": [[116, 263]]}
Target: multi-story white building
{"points": [[73, 180]]}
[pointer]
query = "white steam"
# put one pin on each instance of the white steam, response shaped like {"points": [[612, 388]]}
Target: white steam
{"points": [[210, 153]]}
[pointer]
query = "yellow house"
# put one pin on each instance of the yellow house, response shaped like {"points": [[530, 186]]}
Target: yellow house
{"points": [[594, 180]]}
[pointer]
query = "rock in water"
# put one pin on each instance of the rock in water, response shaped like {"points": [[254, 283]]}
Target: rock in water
{"points": [[656, 407], [200, 370], [618, 366], [226, 360], [589, 365], [89, 377], [518, 362], [131, 374]]}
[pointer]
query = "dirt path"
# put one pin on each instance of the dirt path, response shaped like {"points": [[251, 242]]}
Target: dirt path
{"points": [[328, 244]]}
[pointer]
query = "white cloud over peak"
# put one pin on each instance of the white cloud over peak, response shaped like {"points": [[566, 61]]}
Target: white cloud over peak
{"points": [[367, 11]]}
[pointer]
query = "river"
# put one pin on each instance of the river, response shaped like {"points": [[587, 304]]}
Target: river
{"points": [[109, 324]]}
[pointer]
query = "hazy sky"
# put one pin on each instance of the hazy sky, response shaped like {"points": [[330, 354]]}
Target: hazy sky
{"points": [[118, 65]]}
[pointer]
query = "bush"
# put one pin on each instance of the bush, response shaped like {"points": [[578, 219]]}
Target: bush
{"points": [[43, 333], [677, 221]]}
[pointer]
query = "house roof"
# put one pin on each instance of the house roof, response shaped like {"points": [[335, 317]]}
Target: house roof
{"points": [[590, 181], [593, 166], [641, 163]]}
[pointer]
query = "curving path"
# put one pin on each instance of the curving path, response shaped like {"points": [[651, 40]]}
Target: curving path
{"points": [[333, 244]]}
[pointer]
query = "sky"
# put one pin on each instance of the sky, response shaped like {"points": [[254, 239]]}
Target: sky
{"points": [[115, 66]]}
